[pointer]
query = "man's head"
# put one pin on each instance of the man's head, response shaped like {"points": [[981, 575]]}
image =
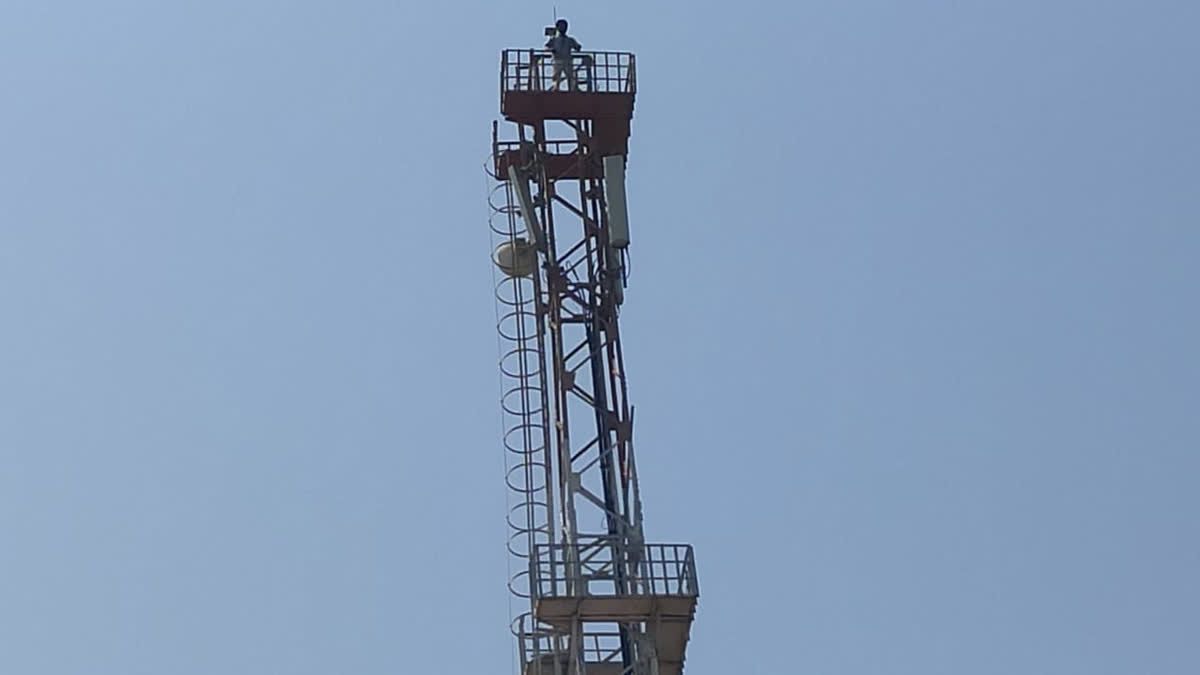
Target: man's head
{"points": [[561, 25]]}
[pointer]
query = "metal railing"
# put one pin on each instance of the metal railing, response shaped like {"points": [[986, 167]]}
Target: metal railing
{"points": [[563, 570], [541, 643], [594, 72], [546, 650]]}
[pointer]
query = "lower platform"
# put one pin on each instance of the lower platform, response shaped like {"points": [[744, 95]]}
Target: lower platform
{"points": [[667, 618], [579, 589]]}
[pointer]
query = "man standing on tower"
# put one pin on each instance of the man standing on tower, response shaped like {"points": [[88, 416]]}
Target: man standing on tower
{"points": [[563, 48]]}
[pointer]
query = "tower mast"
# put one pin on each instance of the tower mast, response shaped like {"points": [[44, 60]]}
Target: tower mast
{"points": [[597, 599]]}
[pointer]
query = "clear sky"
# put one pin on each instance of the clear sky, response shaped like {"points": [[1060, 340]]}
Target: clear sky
{"points": [[911, 333]]}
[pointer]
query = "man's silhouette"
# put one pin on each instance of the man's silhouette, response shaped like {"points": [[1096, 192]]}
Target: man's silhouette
{"points": [[563, 48]]}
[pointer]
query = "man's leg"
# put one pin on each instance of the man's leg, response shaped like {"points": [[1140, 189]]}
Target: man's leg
{"points": [[559, 68]]}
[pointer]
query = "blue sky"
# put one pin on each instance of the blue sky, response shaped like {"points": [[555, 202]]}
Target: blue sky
{"points": [[911, 333]]}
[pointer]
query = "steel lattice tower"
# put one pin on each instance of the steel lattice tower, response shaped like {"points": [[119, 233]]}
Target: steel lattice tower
{"points": [[597, 599]]}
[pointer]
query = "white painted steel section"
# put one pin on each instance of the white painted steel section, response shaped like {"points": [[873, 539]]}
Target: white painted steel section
{"points": [[525, 201], [614, 198]]}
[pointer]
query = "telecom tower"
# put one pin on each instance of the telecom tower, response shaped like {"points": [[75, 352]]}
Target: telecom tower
{"points": [[595, 598]]}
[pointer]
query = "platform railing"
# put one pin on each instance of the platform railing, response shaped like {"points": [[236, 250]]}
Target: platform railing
{"points": [[595, 72], [526, 149], [654, 569], [546, 650]]}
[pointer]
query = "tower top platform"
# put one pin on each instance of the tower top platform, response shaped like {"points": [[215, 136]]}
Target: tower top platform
{"points": [[600, 85]]}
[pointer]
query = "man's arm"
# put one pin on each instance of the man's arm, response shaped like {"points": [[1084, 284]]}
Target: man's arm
{"points": [[575, 45]]}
